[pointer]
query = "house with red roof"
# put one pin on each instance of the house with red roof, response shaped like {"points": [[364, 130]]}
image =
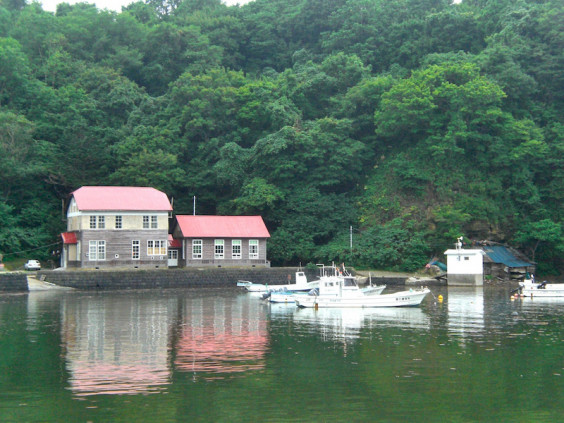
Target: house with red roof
{"points": [[221, 240], [110, 227]]}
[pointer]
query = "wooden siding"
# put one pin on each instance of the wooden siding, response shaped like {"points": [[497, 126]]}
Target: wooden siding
{"points": [[119, 242], [208, 253]]}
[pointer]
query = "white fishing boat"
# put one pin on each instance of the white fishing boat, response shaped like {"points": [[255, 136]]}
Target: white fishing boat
{"points": [[301, 285], [287, 297], [331, 274], [344, 292], [531, 288]]}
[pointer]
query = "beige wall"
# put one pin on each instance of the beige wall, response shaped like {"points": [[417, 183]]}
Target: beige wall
{"points": [[82, 222], [72, 252]]}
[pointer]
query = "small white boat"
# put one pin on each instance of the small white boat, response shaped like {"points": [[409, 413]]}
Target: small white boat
{"points": [[344, 292], [330, 274], [287, 297], [301, 285], [284, 296], [530, 288]]}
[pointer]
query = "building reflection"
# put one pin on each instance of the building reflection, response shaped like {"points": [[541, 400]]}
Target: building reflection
{"points": [[221, 336], [117, 344], [465, 310]]}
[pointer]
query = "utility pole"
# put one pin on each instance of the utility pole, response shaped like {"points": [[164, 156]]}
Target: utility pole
{"points": [[351, 238], [194, 209]]}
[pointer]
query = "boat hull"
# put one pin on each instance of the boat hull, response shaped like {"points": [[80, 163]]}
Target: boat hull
{"points": [[289, 297], [258, 287], [410, 298], [285, 297], [532, 289]]}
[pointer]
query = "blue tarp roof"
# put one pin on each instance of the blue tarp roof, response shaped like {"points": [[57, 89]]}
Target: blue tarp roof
{"points": [[500, 254]]}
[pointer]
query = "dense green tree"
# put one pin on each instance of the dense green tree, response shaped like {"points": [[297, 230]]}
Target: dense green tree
{"points": [[15, 73], [414, 121]]}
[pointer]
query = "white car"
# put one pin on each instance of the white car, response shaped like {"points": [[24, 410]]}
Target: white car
{"points": [[32, 265]]}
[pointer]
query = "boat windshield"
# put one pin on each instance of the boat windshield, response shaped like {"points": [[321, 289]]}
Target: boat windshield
{"points": [[349, 282]]}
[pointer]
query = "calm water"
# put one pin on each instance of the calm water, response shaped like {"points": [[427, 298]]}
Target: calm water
{"points": [[225, 356]]}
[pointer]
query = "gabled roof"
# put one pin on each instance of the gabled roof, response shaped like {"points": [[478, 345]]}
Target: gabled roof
{"points": [[501, 254], [121, 199], [222, 226]]}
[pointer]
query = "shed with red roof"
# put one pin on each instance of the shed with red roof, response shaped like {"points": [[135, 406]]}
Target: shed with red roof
{"points": [[222, 240]]}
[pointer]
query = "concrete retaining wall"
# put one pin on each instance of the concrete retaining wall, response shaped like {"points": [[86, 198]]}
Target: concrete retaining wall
{"points": [[13, 282], [169, 278], [165, 278]]}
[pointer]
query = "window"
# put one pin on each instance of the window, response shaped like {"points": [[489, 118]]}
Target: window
{"points": [[236, 249], [135, 248], [253, 249], [156, 248], [218, 248], [97, 222], [196, 248], [97, 250], [150, 222], [119, 222]]}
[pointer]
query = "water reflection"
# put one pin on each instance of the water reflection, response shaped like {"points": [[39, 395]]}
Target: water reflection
{"points": [[347, 323], [117, 344], [219, 336], [465, 310], [121, 343], [477, 347]]}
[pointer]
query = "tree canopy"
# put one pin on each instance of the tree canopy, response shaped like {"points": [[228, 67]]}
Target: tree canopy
{"points": [[411, 121]]}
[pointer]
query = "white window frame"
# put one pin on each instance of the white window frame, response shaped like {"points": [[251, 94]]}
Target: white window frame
{"points": [[97, 250], [97, 222], [119, 222], [253, 248], [135, 249], [197, 248], [154, 222], [156, 247], [145, 222], [219, 249], [237, 255]]}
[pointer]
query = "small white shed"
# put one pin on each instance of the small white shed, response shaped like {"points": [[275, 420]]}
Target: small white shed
{"points": [[465, 267]]}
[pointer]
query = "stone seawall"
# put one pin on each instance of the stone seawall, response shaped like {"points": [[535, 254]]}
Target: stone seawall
{"points": [[13, 282], [169, 278], [166, 278]]}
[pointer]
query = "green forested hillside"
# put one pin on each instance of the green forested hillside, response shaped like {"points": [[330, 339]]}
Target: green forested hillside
{"points": [[411, 121]]}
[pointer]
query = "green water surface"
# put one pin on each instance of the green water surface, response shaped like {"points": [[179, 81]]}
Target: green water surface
{"points": [[226, 356]]}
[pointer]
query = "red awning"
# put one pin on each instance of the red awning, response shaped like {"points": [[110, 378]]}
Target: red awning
{"points": [[69, 237], [173, 243]]}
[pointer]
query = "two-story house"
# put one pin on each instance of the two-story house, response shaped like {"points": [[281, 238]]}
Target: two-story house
{"points": [[110, 227]]}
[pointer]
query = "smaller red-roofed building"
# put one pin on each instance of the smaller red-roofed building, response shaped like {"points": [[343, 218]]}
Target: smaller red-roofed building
{"points": [[109, 227], [221, 240]]}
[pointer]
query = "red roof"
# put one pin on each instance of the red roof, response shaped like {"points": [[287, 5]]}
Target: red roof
{"points": [[174, 243], [121, 199], [222, 226], [69, 238]]}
